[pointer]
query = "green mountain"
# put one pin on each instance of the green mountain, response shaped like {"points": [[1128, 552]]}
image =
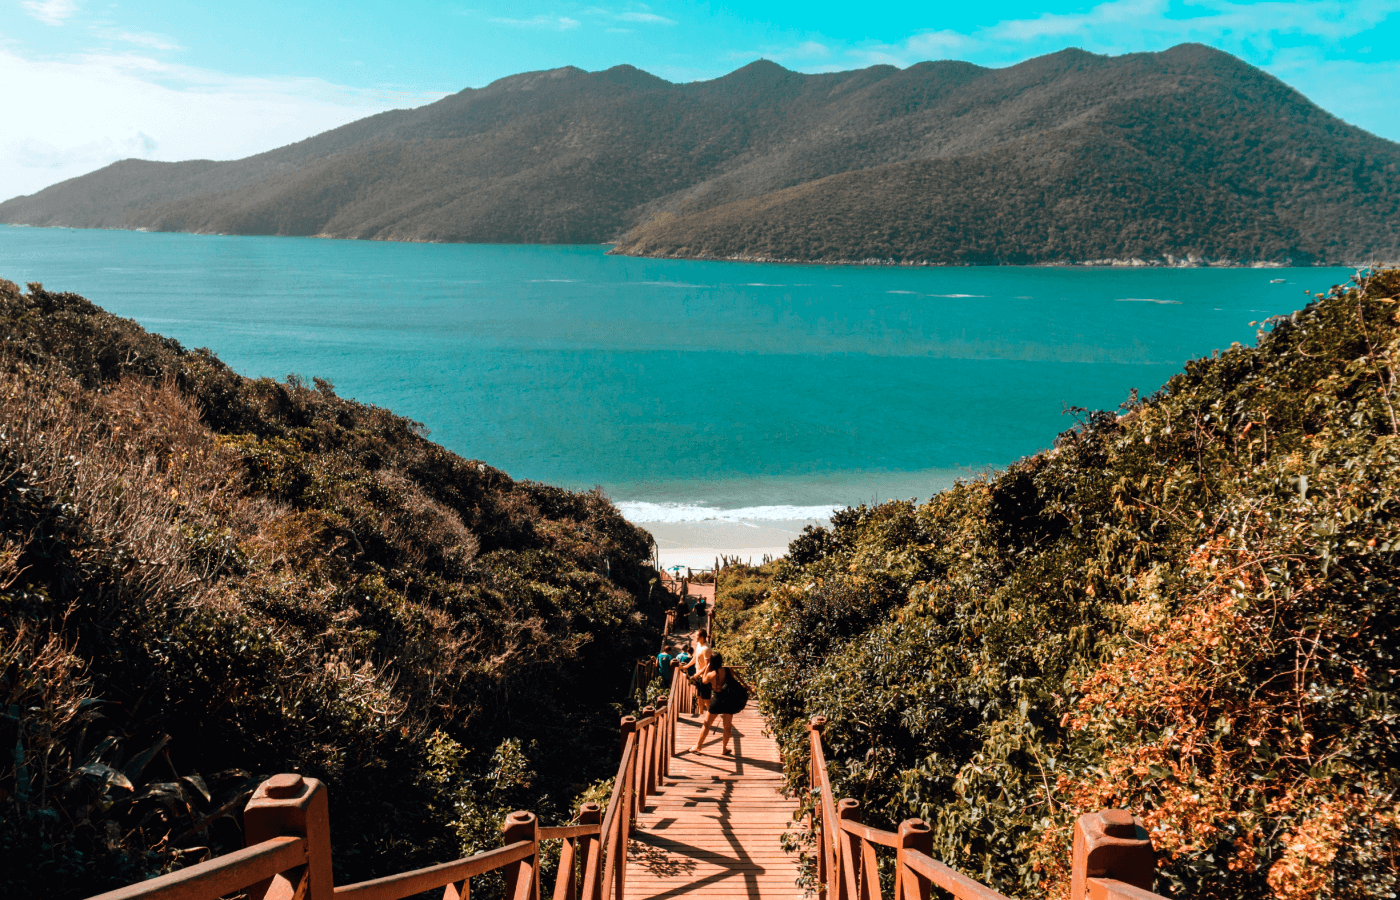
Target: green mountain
{"points": [[1067, 157], [206, 579]]}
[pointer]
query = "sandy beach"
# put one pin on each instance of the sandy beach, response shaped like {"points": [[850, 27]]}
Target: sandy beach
{"points": [[697, 544]]}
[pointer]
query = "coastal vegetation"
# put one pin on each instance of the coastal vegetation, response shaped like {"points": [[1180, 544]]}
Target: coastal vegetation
{"points": [[206, 579], [1188, 609], [1188, 154]]}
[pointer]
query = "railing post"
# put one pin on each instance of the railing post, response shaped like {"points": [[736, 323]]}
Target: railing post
{"points": [[649, 774], [848, 852], [628, 824], [818, 826], [1110, 844], [663, 744], [293, 806], [629, 729], [914, 834], [814, 736], [522, 826], [591, 852]]}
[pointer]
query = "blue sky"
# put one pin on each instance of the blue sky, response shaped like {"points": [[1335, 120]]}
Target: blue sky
{"points": [[86, 82]]}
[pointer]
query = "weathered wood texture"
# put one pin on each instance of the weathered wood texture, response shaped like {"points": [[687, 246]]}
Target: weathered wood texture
{"points": [[713, 828]]}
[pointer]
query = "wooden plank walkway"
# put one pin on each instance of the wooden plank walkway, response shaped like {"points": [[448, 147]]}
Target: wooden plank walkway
{"points": [[713, 829]]}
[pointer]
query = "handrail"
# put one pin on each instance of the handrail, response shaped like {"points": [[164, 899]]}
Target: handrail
{"points": [[866, 833], [220, 875], [406, 884], [1112, 855], [556, 832], [1112, 889], [619, 785], [948, 878]]}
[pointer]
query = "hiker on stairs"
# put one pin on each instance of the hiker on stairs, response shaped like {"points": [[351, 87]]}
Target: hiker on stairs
{"points": [[729, 695]]}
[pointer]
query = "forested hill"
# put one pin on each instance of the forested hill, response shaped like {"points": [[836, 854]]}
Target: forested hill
{"points": [[1189, 609], [1068, 157], [206, 579]]}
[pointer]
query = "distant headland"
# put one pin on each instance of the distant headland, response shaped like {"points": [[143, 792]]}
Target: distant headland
{"points": [[1184, 157]]}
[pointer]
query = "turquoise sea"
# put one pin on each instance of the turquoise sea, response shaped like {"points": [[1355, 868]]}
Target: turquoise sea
{"points": [[682, 388]]}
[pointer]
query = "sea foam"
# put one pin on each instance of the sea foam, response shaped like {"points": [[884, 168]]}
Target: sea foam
{"points": [[642, 511]]}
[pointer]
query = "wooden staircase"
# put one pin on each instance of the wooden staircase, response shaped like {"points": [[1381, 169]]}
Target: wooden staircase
{"points": [[678, 823], [713, 825]]}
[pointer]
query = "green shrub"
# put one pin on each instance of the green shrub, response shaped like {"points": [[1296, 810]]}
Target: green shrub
{"points": [[1188, 609], [255, 577]]}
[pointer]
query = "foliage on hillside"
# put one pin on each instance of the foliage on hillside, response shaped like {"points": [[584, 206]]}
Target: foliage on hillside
{"points": [[741, 588], [206, 579], [1078, 195], [1068, 156], [1190, 610]]}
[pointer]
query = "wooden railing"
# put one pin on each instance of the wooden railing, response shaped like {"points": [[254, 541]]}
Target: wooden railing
{"points": [[288, 857], [1112, 860]]}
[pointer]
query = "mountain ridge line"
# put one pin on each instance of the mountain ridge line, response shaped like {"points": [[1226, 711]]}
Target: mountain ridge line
{"points": [[1071, 157]]}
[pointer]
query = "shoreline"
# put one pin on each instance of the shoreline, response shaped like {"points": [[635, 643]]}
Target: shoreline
{"points": [[1170, 262], [698, 544]]}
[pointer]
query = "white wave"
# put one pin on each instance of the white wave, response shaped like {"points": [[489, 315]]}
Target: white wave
{"points": [[1147, 300], [901, 292], [957, 296], [641, 511]]}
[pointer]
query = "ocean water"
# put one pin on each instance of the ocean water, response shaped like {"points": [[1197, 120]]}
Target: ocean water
{"points": [[690, 391]]}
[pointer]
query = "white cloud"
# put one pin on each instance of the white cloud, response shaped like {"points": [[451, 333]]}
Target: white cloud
{"points": [[558, 23], [940, 44], [1360, 93], [1125, 26], [1137, 13], [51, 12], [645, 18], [82, 114], [1267, 34], [138, 38], [809, 50], [634, 17]]}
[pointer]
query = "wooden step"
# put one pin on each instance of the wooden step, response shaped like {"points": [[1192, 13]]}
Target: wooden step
{"points": [[715, 825]]}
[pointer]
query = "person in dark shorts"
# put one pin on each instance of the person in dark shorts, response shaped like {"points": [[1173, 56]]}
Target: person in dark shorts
{"points": [[729, 695]]}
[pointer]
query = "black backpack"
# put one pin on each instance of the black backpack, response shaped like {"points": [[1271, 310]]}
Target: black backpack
{"points": [[736, 688]]}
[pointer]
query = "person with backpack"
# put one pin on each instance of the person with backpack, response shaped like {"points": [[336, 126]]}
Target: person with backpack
{"points": [[663, 665], [728, 695]]}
